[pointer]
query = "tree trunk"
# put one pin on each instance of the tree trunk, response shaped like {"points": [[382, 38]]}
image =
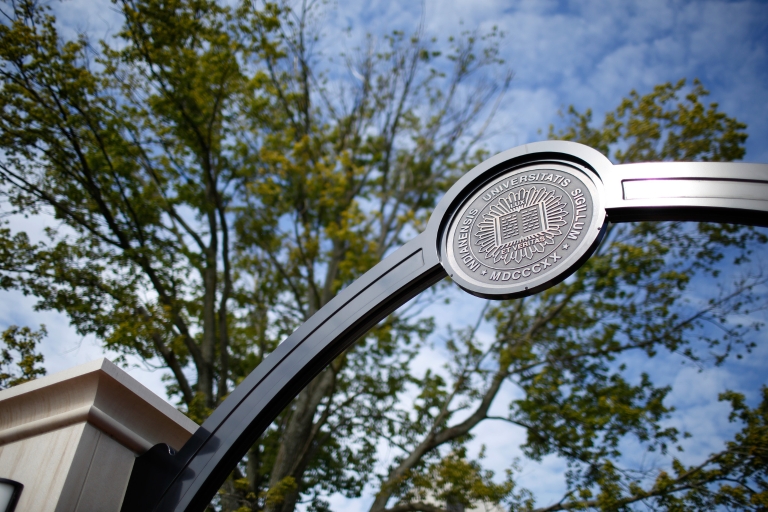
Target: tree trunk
{"points": [[297, 439]]}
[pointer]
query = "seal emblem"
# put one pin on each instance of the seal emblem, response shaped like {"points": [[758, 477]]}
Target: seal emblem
{"points": [[527, 229]]}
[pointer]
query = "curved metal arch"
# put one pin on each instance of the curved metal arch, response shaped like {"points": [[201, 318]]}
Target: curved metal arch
{"points": [[186, 481]]}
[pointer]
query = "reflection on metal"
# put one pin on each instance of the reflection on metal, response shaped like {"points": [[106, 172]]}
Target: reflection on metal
{"points": [[694, 188], [514, 225]]}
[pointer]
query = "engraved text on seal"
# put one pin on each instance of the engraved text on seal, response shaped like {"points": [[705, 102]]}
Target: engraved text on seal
{"points": [[522, 227]]}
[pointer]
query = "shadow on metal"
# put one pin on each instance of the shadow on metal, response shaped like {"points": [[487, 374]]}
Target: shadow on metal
{"points": [[722, 192]]}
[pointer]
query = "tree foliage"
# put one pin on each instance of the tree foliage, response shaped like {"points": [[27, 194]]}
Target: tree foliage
{"points": [[18, 357], [669, 124], [213, 186], [565, 351], [215, 179]]}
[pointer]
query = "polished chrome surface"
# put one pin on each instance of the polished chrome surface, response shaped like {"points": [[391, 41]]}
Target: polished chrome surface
{"points": [[733, 192]]}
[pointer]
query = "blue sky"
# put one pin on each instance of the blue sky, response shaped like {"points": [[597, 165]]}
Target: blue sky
{"points": [[589, 54], [592, 53]]}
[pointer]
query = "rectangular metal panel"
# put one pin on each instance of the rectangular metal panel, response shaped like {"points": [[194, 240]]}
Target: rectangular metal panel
{"points": [[694, 188]]}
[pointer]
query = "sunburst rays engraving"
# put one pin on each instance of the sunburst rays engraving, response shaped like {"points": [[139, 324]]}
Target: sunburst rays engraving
{"points": [[520, 224]]}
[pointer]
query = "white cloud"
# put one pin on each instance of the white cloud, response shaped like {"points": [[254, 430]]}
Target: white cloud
{"points": [[590, 54]]}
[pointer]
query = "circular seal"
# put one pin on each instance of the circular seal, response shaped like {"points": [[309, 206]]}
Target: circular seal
{"points": [[525, 230]]}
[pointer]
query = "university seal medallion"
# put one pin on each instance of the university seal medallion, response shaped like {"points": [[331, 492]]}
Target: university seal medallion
{"points": [[525, 230]]}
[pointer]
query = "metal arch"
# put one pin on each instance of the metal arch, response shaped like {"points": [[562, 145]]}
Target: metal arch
{"points": [[186, 481]]}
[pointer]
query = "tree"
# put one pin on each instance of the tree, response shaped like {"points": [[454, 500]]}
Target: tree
{"points": [[215, 181], [213, 186], [562, 351], [126, 149], [19, 358]]}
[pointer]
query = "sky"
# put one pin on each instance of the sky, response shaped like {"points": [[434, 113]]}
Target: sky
{"points": [[589, 54]]}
